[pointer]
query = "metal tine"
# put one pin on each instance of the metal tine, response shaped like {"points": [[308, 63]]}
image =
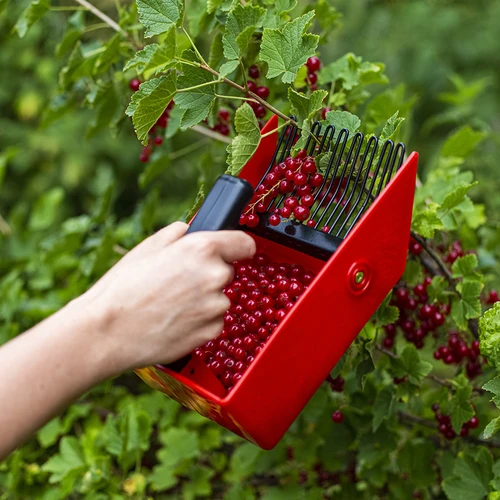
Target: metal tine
{"points": [[357, 139], [356, 144], [284, 144], [344, 202], [342, 139], [388, 146], [372, 146]]}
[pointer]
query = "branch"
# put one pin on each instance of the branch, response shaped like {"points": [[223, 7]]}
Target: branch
{"points": [[211, 133], [261, 101], [433, 425], [101, 15], [430, 376]]}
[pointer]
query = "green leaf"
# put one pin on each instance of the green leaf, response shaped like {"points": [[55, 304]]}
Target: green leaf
{"points": [[471, 476], [149, 102], [196, 103], [489, 335], [465, 267], [155, 58], [425, 221], [391, 128], [158, 16], [46, 208], [469, 305], [412, 274], [69, 459], [493, 386], [409, 362], [457, 196], [162, 478], [228, 67], [305, 107], [352, 72], [383, 407], [241, 23], [33, 13], [199, 483], [243, 461], [341, 120], [462, 142], [246, 142], [459, 408], [200, 198], [437, 289], [286, 50], [386, 313], [414, 459], [153, 170], [49, 433], [216, 52], [180, 444], [492, 428]]}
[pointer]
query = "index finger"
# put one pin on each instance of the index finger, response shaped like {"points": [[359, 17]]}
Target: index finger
{"points": [[232, 245]]}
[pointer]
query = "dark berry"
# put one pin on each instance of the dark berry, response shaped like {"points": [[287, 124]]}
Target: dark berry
{"points": [[312, 77], [274, 220], [253, 71], [262, 92], [301, 213], [134, 84], [337, 416], [313, 64]]}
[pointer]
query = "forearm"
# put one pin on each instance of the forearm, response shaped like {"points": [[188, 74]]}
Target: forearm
{"points": [[48, 367]]}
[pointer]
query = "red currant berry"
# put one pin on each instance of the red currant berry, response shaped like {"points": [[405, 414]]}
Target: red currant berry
{"points": [[311, 223], [324, 111], [252, 87], [253, 71], [286, 187], [301, 213], [134, 84], [262, 92], [252, 220], [415, 248], [313, 64], [316, 180], [285, 212], [492, 297], [260, 111], [308, 167], [300, 179], [158, 140], [274, 220], [338, 416], [224, 115], [307, 200], [312, 77], [473, 423]]}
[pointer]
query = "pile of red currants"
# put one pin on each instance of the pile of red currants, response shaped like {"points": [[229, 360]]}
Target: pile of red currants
{"points": [[262, 294], [458, 350], [296, 178]]}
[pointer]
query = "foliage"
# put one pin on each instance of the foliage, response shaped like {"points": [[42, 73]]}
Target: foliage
{"points": [[70, 207]]}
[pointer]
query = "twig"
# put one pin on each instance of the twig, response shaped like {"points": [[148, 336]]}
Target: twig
{"points": [[101, 16], [119, 250], [211, 133], [430, 376]]}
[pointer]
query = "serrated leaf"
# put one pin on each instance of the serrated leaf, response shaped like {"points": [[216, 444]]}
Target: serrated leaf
{"points": [[459, 407], [158, 16], [155, 58], [246, 142], [493, 386], [241, 23], [180, 444], [383, 406], [425, 221], [492, 428], [45, 210], [162, 478], [413, 271], [196, 103], [436, 290], [471, 476], [286, 50], [341, 120], [228, 67], [462, 142], [465, 267], [386, 313], [456, 197], [305, 106], [200, 198], [489, 335], [410, 363], [469, 305], [149, 102], [352, 72], [69, 458], [391, 128], [216, 52], [33, 13]]}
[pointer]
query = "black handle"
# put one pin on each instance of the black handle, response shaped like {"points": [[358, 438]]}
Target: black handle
{"points": [[223, 206], [221, 210]]}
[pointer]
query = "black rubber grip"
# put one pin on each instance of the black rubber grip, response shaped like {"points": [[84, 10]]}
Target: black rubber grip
{"points": [[221, 210], [223, 206]]}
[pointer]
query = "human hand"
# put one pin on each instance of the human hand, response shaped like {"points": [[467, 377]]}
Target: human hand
{"points": [[164, 298]]}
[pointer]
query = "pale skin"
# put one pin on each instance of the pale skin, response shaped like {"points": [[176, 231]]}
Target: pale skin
{"points": [[158, 303]]}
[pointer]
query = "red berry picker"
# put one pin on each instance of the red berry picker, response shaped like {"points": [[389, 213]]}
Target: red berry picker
{"points": [[331, 245]]}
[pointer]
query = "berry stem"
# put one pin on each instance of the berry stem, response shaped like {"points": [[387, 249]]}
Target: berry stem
{"points": [[276, 129], [206, 84], [197, 52], [235, 97]]}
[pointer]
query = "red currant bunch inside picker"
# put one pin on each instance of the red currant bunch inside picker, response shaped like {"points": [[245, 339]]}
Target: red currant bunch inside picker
{"points": [[274, 349]]}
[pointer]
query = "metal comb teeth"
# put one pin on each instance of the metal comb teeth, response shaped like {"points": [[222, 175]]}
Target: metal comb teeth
{"points": [[355, 169]]}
